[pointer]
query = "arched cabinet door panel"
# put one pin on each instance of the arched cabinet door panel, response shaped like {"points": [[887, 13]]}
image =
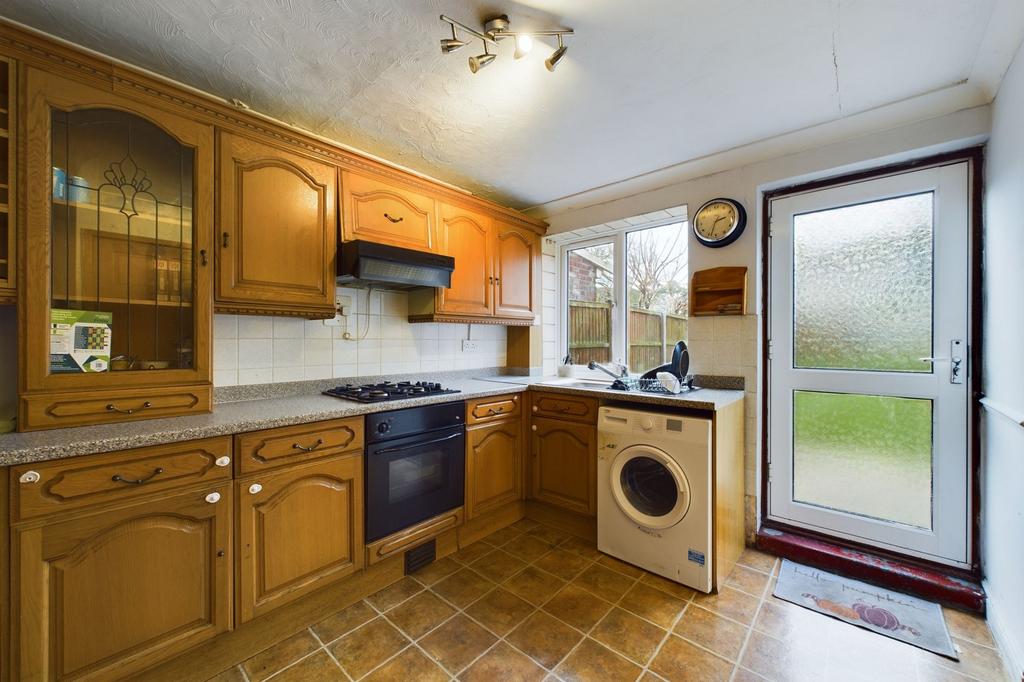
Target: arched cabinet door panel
{"points": [[564, 464], [516, 271], [378, 211], [108, 594], [277, 229], [299, 528], [467, 238], [493, 463]]}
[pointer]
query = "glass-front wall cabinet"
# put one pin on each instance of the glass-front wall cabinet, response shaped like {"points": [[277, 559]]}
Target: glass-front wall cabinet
{"points": [[122, 234], [7, 147], [118, 230]]}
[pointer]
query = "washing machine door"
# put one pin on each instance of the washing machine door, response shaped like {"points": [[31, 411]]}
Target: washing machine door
{"points": [[649, 487]]}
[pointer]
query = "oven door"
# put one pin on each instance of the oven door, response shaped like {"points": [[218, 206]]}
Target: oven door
{"points": [[412, 479]]}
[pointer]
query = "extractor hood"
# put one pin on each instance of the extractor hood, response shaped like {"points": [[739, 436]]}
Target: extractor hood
{"points": [[363, 263]]}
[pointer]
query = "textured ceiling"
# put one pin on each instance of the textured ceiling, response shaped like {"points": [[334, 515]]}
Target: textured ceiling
{"points": [[646, 84]]}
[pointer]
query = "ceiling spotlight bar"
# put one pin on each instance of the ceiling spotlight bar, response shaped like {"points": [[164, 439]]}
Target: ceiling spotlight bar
{"points": [[495, 30]]}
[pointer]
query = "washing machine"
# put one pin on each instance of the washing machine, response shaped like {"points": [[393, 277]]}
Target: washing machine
{"points": [[654, 493]]}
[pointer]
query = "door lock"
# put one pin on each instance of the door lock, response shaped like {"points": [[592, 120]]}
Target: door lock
{"points": [[956, 359]]}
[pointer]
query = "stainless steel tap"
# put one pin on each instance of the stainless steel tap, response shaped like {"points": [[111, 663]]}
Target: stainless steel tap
{"points": [[621, 369]]}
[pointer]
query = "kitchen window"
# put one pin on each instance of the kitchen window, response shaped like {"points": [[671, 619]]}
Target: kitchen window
{"points": [[624, 296]]}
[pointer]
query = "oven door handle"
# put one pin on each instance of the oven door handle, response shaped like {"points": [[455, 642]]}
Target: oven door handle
{"points": [[417, 445]]}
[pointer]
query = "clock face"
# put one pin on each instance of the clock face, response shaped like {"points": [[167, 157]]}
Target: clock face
{"points": [[719, 222]]}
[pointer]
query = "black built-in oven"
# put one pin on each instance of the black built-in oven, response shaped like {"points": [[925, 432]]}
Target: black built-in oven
{"points": [[415, 466]]}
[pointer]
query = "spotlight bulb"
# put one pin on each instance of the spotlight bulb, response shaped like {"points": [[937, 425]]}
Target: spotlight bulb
{"points": [[451, 44], [524, 44], [480, 61], [556, 56]]}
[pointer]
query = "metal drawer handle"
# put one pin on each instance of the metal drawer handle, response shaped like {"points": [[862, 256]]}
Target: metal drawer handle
{"points": [[224, 241], [311, 448], [202, 256], [29, 477], [213, 498], [492, 412], [111, 407], [255, 489], [394, 220], [117, 478], [222, 461]]}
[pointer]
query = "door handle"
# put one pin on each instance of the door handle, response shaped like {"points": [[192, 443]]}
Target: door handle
{"points": [[955, 360]]}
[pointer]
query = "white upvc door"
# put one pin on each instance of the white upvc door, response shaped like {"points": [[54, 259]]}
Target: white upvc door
{"points": [[868, 362]]}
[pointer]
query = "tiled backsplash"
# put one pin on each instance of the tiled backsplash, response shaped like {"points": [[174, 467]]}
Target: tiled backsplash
{"points": [[255, 349]]}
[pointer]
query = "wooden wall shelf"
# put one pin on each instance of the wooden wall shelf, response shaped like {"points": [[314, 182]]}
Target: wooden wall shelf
{"points": [[719, 291]]}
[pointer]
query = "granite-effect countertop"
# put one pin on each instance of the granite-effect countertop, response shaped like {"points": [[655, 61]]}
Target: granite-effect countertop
{"points": [[264, 413]]}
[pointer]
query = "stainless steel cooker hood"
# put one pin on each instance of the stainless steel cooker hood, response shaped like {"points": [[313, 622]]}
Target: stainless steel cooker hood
{"points": [[363, 263]]}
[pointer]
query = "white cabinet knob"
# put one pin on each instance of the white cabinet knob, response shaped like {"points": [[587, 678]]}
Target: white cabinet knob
{"points": [[223, 461], [534, 408], [213, 498], [29, 477], [255, 488], [533, 427]]}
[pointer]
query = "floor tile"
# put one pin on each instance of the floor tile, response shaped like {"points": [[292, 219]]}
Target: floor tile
{"points": [[269, 661], [394, 594], [677, 590], [344, 621], [420, 615], [683, 661], [748, 580], [501, 536], [654, 605], [365, 648], [711, 631], [318, 666], [524, 525], [503, 664], [565, 564], [436, 570], [604, 582], [784, 661], [463, 587], [969, 626], [527, 548], [744, 675], [633, 637], [591, 662], [549, 535], [232, 674], [787, 621], [758, 560], [534, 585], [471, 553], [729, 602], [577, 607], [928, 671], [586, 549], [500, 611], [456, 643], [975, 661], [411, 664], [544, 639], [498, 565], [621, 566]]}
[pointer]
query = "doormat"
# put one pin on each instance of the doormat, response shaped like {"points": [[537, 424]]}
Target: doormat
{"points": [[900, 616]]}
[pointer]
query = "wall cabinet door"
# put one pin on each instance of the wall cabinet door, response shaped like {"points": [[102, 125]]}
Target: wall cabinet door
{"points": [[298, 529], [109, 594], [277, 229], [378, 211], [564, 464], [516, 271], [493, 463], [467, 238]]}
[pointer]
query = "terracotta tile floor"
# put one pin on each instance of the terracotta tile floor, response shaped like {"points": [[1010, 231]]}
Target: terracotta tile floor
{"points": [[531, 603]]}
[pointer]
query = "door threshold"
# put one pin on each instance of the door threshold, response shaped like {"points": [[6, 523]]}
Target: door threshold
{"points": [[888, 572]]}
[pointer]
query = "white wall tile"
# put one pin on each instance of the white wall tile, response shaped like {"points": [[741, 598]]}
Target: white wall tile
{"points": [[225, 326], [263, 375], [288, 327], [255, 327], [254, 354], [225, 353], [317, 352], [288, 353]]}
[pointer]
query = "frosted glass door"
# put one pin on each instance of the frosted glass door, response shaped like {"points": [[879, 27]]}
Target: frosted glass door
{"points": [[868, 362]]}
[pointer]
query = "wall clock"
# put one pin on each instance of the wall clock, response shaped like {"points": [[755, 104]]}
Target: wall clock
{"points": [[719, 222]]}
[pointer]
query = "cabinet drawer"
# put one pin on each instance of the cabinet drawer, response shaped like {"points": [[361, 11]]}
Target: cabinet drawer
{"points": [[262, 450], [63, 485], [376, 210], [106, 406], [492, 409], [563, 406]]}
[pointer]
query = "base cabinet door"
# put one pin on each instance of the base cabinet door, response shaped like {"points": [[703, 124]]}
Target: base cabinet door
{"points": [[105, 595], [564, 464], [493, 463], [277, 228], [299, 528]]}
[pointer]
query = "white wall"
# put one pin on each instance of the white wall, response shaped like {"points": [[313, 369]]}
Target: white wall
{"points": [[1002, 512], [251, 349], [800, 157]]}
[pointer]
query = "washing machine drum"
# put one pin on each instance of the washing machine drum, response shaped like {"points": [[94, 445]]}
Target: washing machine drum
{"points": [[650, 487]]}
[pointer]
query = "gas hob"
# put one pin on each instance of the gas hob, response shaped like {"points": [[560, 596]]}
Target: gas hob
{"points": [[388, 391]]}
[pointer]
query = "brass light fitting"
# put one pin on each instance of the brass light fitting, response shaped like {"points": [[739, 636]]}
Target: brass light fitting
{"points": [[495, 30]]}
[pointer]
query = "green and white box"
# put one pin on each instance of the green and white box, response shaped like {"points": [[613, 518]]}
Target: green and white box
{"points": [[79, 341]]}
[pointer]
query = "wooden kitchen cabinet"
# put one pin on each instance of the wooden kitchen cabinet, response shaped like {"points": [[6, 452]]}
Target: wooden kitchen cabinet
{"points": [[466, 236], [8, 147], [493, 465], [277, 230], [516, 271], [564, 464], [299, 528], [107, 594], [376, 210]]}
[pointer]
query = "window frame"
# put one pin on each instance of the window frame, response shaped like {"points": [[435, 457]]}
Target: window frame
{"points": [[620, 290]]}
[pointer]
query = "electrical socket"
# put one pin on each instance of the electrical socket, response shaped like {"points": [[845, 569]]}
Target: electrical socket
{"points": [[470, 346], [342, 309]]}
